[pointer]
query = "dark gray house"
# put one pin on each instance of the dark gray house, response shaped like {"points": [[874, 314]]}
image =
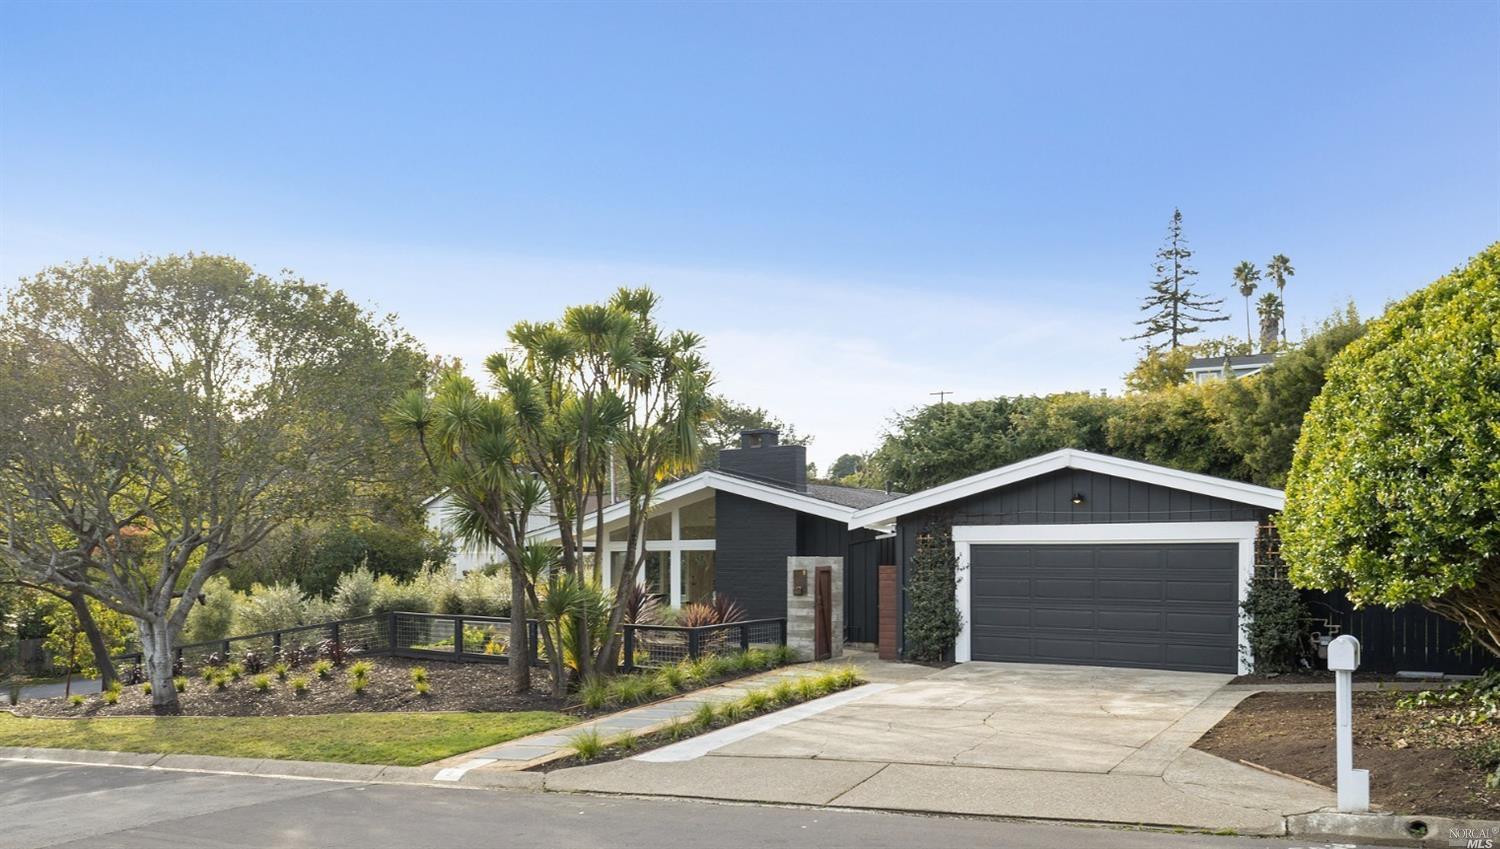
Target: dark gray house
{"points": [[730, 530], [1073, 557]]}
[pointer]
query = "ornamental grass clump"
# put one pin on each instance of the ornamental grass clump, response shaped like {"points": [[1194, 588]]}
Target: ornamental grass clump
{"points": [[422, 687], [418, 674], [75, 700], [361, 669], [146, 688], [595, 692], [357, 685], [235, 671], [299, 685], [179, 684], [323, 669], [282, 670], [111, 696], [587, 744], [262, 683], [704, 717]]}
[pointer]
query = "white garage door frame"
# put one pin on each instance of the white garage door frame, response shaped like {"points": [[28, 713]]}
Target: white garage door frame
{"points": [[1241, 534]]}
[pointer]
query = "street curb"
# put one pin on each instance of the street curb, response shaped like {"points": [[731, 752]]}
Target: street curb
{"points": [[1394, 829]]}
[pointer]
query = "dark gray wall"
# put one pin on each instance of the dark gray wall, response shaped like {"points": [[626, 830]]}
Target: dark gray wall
{"points": [[820, 537], [1048, 500], [784, 464], [754, 541]]}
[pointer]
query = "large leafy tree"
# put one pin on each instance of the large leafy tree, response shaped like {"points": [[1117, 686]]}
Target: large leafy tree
{"points": [[727, 418], [1173, 310], [1394, 493], [163, 416]]}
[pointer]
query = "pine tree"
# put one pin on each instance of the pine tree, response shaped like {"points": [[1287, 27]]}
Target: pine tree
{"points": [[1173, 309]]}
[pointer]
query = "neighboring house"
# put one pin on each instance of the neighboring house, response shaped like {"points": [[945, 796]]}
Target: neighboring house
{"points": [[1073, 557], [730, 530], [1205, 369], [468, 557]]}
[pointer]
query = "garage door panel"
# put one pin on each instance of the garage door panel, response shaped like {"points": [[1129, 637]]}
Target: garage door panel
{"points": [[1154, 605]]}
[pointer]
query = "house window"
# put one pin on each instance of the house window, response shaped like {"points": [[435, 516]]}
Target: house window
{"points": [[697, 520], [659, 527], [697, 576], [657, 570]]}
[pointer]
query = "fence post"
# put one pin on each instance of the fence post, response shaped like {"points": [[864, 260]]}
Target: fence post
{"points": [[693, 643], [629, 648], [458, 636], [390, 625], [744, 638], [225, 649], [334, 633], [276, 644], [782, 628], [533, 656]]}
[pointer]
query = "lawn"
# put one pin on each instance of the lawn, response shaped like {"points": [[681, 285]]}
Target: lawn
{"points": [[403, 739]]}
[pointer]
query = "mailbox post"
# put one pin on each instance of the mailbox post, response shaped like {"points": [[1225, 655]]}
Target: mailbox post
{"points": [[1354, 784]]}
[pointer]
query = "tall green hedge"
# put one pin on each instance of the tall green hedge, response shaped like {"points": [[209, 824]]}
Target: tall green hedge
{"points": [[933, 621]]}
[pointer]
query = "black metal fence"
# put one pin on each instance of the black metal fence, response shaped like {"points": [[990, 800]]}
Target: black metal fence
{"points": [[1409, 637], [664, 645], [466, 639]]}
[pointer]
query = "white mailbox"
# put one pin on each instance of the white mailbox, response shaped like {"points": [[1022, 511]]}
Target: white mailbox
{"points": [[1343, 654], [1353, 784]]}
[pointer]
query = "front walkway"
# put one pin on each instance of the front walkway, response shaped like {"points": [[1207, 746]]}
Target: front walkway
{"points": [[539, 749], [1012, 740]]}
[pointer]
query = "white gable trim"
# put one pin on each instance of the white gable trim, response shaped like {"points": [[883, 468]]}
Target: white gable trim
{"points": [[1069, 458], [719, 482]]}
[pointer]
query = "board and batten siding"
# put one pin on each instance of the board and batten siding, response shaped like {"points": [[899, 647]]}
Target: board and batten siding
{"points": [[1048, 500], [754, 541]]}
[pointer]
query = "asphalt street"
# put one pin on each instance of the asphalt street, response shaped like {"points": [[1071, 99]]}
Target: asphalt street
{"points": [[43, 804]]}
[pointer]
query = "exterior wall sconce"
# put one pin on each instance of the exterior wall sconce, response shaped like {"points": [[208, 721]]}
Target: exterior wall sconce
{"points": [[1077, 498]]}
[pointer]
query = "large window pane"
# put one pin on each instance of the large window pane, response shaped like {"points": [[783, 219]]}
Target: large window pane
{"points": [[658, 572], [659, 527], [697, 576], [619, 534], [698, 520]]}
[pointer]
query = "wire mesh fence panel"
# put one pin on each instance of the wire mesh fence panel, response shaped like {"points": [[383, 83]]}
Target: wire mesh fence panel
{"points": [[659, 646], [487, 638], [764, 635], [423, 633], [367, 635]]}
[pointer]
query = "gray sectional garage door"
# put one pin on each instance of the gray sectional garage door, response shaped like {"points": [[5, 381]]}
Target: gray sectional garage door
{"points": [[1162, 606]]}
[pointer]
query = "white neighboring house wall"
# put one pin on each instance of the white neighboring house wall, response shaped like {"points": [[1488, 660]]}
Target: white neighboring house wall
{"points": [[1208, 375], [468, 557]]}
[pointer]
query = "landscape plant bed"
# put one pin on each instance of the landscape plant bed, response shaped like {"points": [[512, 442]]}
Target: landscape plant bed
{"points": [[709, 717], [1323, 676], [1420, 762], [402, 739], [390, 687]]}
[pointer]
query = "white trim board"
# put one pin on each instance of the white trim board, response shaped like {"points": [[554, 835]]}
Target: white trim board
{"points": [[1069, 458], [1240, 533]]}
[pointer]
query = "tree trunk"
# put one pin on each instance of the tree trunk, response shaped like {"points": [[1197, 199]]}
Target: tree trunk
{"points": [[520, 648], [157, 652], [106, 666], [1476, 608]]}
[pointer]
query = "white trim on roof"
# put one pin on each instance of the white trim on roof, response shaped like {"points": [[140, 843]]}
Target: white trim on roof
{"points": [[719, 482], [1068, 458]]}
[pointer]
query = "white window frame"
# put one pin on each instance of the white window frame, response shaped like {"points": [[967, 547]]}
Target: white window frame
{"points": [[1240, 533], [676, 546]]}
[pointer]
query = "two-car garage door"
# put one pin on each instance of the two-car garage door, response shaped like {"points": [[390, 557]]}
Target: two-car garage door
{"points": [[1164, 606]]}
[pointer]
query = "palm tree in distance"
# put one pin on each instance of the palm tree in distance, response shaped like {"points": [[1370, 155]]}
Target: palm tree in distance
{"points": [[1246, 275], [1279, 269]]}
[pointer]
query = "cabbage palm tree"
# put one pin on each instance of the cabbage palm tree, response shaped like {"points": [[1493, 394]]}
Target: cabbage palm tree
{"points": [[1279, 269], [1271, 316], [1246, 276]]}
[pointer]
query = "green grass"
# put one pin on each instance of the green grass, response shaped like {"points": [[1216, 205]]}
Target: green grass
{"points": [[403, 739]]}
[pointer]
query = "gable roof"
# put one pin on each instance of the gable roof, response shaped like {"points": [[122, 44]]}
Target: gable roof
{"points": [[1068, 458], [830, 502]]}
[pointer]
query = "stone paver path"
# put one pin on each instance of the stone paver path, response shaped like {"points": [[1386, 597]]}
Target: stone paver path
{"points": [[552, 745]]}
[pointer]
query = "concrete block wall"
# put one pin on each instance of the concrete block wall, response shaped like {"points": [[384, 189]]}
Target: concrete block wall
{"points": [[801, 633]]}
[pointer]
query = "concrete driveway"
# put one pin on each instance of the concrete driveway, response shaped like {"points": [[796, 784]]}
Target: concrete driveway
{"points": [[1019, 740]]}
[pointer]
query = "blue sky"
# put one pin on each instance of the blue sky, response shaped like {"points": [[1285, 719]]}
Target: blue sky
{"points": [[855, 204]]}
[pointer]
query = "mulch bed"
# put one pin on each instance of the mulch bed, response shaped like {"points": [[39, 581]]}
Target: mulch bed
{"points": [[454, 687], [1417, 764]]}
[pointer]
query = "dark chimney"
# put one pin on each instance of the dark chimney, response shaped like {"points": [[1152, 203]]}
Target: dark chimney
{"points": [[762, 457]]}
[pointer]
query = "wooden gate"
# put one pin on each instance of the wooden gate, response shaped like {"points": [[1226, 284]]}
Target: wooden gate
{"points": [[861, 588]]}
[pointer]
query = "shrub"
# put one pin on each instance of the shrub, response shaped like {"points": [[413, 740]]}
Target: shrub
{"points": [[361, 669], [1393, 486], [209, 673], [235, 671], [146, 688], [392, 595], [354, 594], [282, 670], [75, 700], [213, 617], [1276, 626], [595, 692], [480, 594], [299, 685], [253, 662], [262, 683], [180, 684], [933, 622], [586, 744], [111, 696], [270, 608], [323, 668], [334, 651], [422, 687], [418, 674], [357, 685], [221, 681]]}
